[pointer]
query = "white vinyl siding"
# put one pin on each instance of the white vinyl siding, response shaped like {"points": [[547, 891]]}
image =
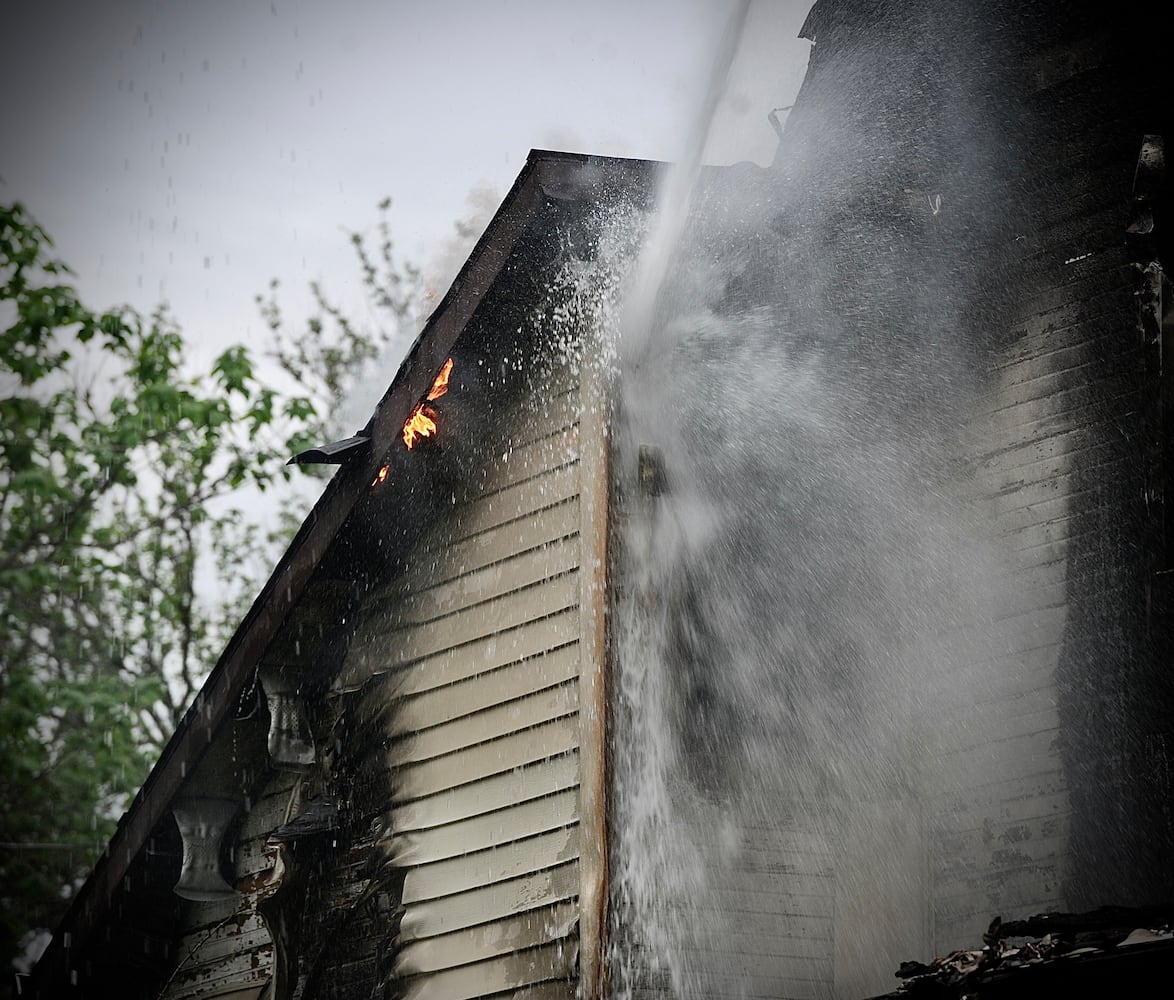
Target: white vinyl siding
{"points": [[474, 658]]}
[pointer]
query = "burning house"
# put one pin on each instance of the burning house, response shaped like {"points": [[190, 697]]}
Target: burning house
{"points": [[801, 634], [394, 778]]}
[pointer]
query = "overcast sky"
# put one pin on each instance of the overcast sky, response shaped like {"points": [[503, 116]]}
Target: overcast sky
{"points": [[188, 151]]}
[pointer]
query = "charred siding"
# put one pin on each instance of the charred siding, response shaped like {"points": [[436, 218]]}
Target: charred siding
{"points": [[226, 946], [955, 187], [1059, 823], [457, 739]]}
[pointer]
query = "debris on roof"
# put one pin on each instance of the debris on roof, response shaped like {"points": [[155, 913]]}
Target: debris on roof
{"points": [[1047, 939]]}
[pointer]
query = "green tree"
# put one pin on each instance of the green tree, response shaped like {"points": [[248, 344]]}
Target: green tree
{"points": [[126, 482], [334, 350]]}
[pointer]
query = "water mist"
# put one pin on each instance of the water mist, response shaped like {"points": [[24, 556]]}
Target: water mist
{"points": [[800, 576]]}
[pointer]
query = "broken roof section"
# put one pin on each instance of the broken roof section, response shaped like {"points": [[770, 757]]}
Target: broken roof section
{"points": [[1098, 953], [552, 190]]}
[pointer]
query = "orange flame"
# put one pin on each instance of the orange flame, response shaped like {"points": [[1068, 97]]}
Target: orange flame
{"points": [[381, 477], [422, 422], [440, 384]]}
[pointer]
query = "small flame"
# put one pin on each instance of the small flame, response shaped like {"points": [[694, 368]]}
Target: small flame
{"points": [[381, 477], [440, 384], [422, 422]]}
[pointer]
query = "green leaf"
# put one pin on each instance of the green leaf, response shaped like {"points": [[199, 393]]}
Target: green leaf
{"points": [[234, 369]]}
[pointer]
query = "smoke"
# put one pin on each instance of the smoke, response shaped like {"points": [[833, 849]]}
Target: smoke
{"points": [[480, 204], [798, 599], [791, 600]]}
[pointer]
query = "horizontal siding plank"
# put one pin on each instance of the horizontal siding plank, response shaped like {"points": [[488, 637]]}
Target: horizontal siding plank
{"points": [[546, 379], [753, 978], [1065, 364], [1035, 502], [1001, 805], [1000, 847], [769, 851], [789, 903], [1050, 384], [1079, 515], [1016, 451], [967, 691], [1006, 814], [1001, 890], [1038, 626], [513, 503], [489, 583], [425, 740], [1017, 703], [399, 646], [1098, 277], [265, 815], [762, 957], [1062, 479], [1087, 335], [1092, 223], [994, 727], [1050, 517], [765, 864], [455, 558], [518, 461], [962, 923], [413, 781], [1006, 755], [1052, 541], [1078, 408], [250, 991], [998, 797], [1064, 325], [392, 668], [769, 893], [415, 847], [1006, 673], [203, 916], [545, 411], [245, 970], [484, 941], [1043, 549], [557, 990], [252, 857], [741, 930], [491, 902], [482, 691], [1053, 467], [779, 935], [1030, 600], [220, 943], [496, 864], [554, 961], [483, 798], [197, 924]]}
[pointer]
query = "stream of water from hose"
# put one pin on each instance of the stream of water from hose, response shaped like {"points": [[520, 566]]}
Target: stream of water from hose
{"points": [[788, 603]]}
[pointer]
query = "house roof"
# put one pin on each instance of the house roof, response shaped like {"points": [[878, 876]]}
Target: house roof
{"points": [[549, 184]]}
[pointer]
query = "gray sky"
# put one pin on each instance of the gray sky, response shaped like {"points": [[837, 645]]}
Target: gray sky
{"points": [[187, 152]]}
